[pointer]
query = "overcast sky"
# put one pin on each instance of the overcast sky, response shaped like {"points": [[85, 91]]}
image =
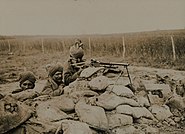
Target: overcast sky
{"points": [[66, 17]]}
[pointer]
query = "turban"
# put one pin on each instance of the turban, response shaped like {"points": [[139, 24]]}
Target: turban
{"points": [[78, 41], [52, 69], [76, 51], [27, 76]]}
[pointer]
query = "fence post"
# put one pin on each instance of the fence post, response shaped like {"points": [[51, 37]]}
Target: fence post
{"points": [[42, 43], [173, 48], [9, 47], [123, 47], [90, 51], [24, 47]]}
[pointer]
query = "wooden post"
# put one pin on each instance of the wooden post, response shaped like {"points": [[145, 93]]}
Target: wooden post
{"points": [[90, 51], [173, 48], [123, 47], [9, 47], [42, 43], [24, 47]]}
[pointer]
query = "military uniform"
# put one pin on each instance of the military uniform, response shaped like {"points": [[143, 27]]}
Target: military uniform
{"points": [[71, 73], [52, 87], [76, 54]]}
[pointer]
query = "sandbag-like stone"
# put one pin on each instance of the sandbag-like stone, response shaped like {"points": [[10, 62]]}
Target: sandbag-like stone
{"points": [[62, 102], [99, 83], [138, 85], [143, 101], [127, 130], [155, 99], [144, 120], [73, 127], [176, 102], [12, 113], [164, 88], [135, 112], [47, 112], [88, 72], [24, 95], [121, 90], [110, 101], [76, 95], [151, 130], [77, 85], [92, 115], [160, 112], [117, 120]]}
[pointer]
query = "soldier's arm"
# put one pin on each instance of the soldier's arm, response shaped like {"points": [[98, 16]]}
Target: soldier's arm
{"points": [[17, 90], [70, 77]]}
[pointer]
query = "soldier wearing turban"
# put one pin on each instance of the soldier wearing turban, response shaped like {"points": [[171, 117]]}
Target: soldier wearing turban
{"points": [[26, 81], [72, 71], [54, 85], [76, 51]]}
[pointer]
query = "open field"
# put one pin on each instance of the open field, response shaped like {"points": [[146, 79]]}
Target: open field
{"points": [[150, 48], [153, 49], [142, 50]]}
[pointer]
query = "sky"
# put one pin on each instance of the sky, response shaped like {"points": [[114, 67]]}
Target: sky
{"points": [[71, 17]]}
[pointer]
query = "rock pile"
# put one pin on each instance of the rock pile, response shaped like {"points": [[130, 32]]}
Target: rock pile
{"points": [[95, 105]]}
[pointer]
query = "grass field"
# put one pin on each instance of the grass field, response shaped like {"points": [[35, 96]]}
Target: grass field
{"points": [[152, 49]]}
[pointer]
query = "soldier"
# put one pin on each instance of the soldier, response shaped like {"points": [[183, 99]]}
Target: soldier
{"points": [[26, 81], [76, 51], [26, 92], [76, 54], [55, 84]]}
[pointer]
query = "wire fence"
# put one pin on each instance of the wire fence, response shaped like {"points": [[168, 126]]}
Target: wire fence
{"points": [[161, 48]]}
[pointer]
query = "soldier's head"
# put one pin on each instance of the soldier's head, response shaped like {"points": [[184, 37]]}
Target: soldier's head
{"points": [[55, 72], [78, 43], [27, 80]]}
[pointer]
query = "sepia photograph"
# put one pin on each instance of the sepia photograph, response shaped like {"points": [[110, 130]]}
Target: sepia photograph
{"points": [[92, 66]]}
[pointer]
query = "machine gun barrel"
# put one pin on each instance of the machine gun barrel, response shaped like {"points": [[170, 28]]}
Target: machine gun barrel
{"points": [[114, 64], [78, 64], [96, 62]]}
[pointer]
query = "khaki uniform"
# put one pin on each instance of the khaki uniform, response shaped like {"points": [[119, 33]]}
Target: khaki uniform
{"points": [[71, 73], [52, 87]]}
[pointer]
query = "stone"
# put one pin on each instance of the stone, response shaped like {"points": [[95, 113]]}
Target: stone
{"points": [[144, 120], [138, 84], [99, 83], [143, 101], [129, 129], [24, 95], [117, 120], [135, 112], [73, 127], [160, 112], [47, 112], [121, 90], [92, 115], [151, 130], [88, 72], [110, 101], [162, 90], [176, 102], [155, 99]]}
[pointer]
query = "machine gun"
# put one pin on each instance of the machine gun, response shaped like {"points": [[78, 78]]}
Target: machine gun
{"points": [[81, 65], [97, 63]]}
